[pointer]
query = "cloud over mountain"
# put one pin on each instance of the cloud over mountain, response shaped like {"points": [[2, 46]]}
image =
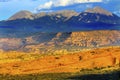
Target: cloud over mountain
{"points": [[60, 3], [10, 7]]}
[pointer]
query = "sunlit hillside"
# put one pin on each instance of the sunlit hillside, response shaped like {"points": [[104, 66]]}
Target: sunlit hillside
{"points": [[22, 63]]}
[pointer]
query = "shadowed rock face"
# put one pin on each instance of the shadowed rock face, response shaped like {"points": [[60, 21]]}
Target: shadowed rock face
{"points": [[82, 39], [86, 39]]}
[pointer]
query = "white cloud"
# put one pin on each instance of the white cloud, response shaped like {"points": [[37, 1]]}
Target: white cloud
{"points": [[46, 5], [57, 3]]}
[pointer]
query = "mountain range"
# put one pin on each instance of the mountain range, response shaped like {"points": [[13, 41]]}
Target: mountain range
{"points": [[63, 21], [62, 30]]}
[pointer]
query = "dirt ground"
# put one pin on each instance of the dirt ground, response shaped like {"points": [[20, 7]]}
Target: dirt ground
{"points": [[103, 57]]}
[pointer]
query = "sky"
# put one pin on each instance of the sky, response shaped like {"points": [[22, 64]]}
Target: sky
{"points": [[10, 7]]}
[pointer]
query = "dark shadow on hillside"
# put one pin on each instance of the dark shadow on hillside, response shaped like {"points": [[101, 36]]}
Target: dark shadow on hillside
{"points": [[63, 76], [108, 76], [64, 36], [44, 37]]}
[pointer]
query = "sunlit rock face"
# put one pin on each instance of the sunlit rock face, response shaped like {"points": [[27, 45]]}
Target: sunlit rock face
{"points": [[99, 10], [84, 39], [11, 43], [22, 14]]}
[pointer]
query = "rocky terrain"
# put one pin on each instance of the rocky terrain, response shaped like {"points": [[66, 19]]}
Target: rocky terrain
{"points": [[62, 41]]}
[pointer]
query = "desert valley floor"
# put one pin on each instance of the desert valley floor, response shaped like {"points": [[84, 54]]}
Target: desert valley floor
{"points": [[21, 63]]}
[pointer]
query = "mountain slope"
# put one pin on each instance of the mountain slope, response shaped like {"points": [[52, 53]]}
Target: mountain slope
{"points": [[96, 16], [59, 14], [21, 15], [24, 23], [99, 10], [66, 41], [91, 19], [72, 41]]}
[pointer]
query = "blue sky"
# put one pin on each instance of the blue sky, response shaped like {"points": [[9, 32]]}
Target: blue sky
{"points": [[10, 7]]}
